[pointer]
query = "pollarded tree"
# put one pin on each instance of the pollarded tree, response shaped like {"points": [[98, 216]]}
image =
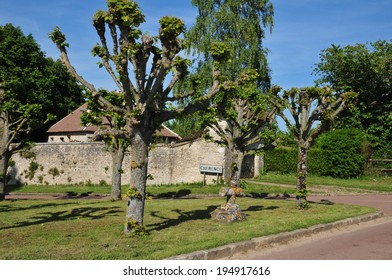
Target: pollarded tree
{"points": [[148, 101], [243, 116], [312, 110], [107, 121], [33, 90], [244, 124]]}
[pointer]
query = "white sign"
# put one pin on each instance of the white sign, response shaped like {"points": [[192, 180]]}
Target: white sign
{"points": [[207, 168]]}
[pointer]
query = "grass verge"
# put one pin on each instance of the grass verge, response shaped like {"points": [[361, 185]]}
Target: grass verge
{"points": [[92, 229], [374, 183], [382, 183]]}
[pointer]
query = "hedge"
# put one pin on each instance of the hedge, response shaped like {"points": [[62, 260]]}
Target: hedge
{"points": [[339, 153], [284, 161]]}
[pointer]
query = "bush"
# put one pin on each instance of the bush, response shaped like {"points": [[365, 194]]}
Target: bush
{"points": [[317, 162], [343, 152], [284, 161], [281, 160], [340, 153]]}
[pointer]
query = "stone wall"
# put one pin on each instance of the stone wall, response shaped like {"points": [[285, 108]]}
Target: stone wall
{"points": [[74, 163]]}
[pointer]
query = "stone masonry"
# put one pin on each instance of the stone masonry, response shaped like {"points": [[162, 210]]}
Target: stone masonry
{"points": [[74, 163]]}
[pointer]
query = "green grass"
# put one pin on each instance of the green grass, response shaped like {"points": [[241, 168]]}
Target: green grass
{"points": [[60, 189], [375, 183], [92, 229], [179, 190]]}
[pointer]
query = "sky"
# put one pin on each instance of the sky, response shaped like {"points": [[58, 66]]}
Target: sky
{"points": [[302, 29]]}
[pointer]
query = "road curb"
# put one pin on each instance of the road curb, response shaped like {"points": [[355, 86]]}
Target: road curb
{"points": [[227, 251]]}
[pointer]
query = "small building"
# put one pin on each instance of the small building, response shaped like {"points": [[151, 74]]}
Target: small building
{"points": [[70, 129]]}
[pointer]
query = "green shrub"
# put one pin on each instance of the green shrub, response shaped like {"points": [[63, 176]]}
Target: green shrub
{"points": [[317, 162], [284, 161], [281, 160], [343, 152]]}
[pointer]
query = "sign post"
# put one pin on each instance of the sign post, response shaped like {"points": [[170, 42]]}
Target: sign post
{"points": [[211, 169]]}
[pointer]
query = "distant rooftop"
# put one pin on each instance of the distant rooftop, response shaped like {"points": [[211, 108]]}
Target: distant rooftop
{"points": [[72, 124]]}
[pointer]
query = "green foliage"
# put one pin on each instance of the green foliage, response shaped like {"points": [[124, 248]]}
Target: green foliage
{"points": [[343, 152], [338, 153], [286, 139], [180, 65], [365, 69], [304, 205], [188, 127], [284, 161], [303, 193], [58, 37], [239, 24], [135, 229], [123, 12], [171, 28], [106, 119], [281, 160], [220, 51], [133, 193], [37, 89]]}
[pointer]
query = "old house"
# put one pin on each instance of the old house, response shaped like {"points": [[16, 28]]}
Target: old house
{"points": [[70, 129]]}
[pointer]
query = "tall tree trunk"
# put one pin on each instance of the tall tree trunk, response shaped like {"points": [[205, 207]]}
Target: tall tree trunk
{"points": [[4, 159], [137, 189], [5, 156], [237, 158], [302, 172], [228, 165], [117, 162]]}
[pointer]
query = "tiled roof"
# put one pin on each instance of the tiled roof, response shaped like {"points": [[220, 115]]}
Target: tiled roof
{"points": [[167, 132], [72, 124]]}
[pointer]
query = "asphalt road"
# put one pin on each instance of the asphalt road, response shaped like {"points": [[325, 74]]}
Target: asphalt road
{"points": [[366, 241]]}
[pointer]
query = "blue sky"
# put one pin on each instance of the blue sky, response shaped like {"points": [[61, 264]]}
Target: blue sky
{"points": [[302, 29]]}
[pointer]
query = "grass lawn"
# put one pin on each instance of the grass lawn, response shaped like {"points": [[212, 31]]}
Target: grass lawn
{"points": [[92, 229], [375, 183]]}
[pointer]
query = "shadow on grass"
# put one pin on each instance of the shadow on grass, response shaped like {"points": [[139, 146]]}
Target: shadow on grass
{"points": [[260, 208], [183, 216], [202, 214], [12, 208], [72, 194], [323, 202], [178, 194], [13, 188], [92, 213], [268, 196]]}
